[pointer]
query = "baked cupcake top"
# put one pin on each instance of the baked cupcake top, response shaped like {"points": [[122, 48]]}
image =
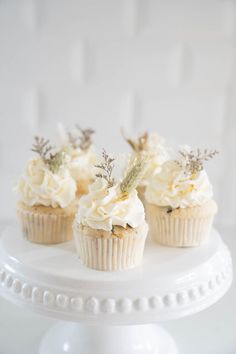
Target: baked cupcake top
{"points": [[79, 146], [183, 182], [110, 203], [46, 180]]}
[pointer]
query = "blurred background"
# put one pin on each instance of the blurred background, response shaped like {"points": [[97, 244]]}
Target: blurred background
{"points": [[158, 65]]}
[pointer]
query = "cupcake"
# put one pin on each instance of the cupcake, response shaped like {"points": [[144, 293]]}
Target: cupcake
{"points": [[180, 209], [110, 228], [154, 146], [78, 145], [47, 196]]}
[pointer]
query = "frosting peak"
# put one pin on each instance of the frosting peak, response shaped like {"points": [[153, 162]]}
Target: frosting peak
{"points": [[78, 145], [103, 207], [82, 164], [173, 187], [155, 147], [40, 186]]}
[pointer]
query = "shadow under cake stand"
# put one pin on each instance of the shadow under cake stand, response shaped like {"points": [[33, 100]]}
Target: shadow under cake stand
{"points": [[112, 312]]}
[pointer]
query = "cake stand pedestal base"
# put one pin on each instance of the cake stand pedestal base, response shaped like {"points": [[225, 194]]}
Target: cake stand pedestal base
{"points": [[72, 338], [112, 312]]}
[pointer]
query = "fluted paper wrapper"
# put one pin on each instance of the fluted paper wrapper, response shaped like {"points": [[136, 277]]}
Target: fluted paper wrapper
{"points": [[109, 254], [188, 230], [45, 228]]}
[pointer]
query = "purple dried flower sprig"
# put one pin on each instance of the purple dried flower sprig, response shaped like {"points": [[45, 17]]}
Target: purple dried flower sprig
{"points": [[192, 161]]}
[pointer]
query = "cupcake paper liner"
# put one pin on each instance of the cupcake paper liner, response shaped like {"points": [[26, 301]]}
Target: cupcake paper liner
{"points": [[182, 231], [109, 254], [45, 228]]}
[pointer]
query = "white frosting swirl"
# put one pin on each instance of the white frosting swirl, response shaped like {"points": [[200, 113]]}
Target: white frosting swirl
{"points": [[157, 151], [172, 187], [102, 208], [82, 164], [39, 186]]}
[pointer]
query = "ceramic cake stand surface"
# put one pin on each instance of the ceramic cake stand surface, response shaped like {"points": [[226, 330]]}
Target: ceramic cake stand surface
{"points": [[112, 312]]}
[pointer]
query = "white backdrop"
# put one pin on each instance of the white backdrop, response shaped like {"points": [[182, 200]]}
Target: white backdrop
{"points": [[165, 65], [141, 64]]}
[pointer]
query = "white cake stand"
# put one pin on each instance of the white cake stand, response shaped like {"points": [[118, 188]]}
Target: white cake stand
{"points": [[112, 313]]}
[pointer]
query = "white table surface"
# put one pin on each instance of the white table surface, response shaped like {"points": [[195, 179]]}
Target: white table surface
{"points": [[212, 331]]}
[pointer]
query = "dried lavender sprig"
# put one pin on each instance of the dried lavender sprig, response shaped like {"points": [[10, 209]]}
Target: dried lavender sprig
{"points": [[107, 167], [85, 137], [43, 148], [82, 140], [193, 161]]}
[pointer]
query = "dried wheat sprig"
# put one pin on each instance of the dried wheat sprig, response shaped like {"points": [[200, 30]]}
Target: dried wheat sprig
{"points": [[134, 174], [193, 161], [56, 161], [139, 144], [106, 167], [43, 148]]}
